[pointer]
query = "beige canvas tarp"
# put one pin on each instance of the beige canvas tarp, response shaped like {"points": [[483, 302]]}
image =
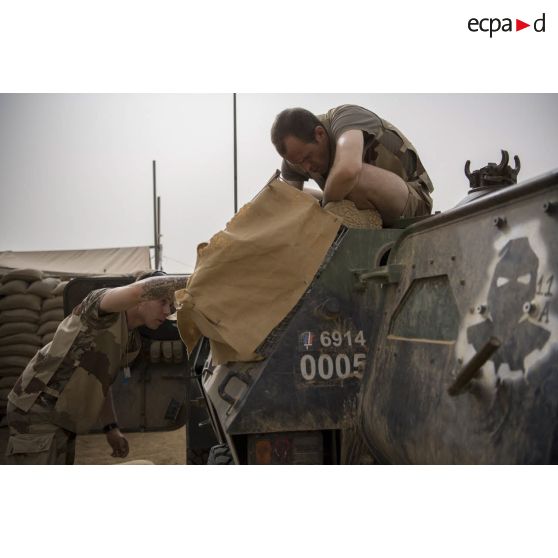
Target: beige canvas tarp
{"points": [[251, 275], [76, 262]]}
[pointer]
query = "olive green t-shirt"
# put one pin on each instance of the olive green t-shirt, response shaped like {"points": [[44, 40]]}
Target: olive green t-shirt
{"points": [[384, 146]]}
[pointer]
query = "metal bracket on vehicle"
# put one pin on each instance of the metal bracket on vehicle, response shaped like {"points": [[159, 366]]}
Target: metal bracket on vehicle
{"points": [[471, 369], [390, 273]]}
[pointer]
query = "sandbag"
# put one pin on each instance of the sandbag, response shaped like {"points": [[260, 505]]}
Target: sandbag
{"points": [[54, 315], [44, 287], [21, 338], [47, 338], [19, 315], [52, 302], [11, 371], [19, 350], [48, 327], [13, 362], [354, 218], [17, 286], [28, 275], [59, 289], [8, 381], [17, 327], [28, 301]]}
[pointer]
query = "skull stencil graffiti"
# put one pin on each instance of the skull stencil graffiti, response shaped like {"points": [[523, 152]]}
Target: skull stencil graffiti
{"points": [[513, 285]]}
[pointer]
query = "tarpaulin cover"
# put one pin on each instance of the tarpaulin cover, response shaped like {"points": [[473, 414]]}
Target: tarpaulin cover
{"points": [[252, 274]]}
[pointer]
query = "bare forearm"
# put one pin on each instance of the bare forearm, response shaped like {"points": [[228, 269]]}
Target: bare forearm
{"points": [[153, 288], [156, 288], [339, 185], [318, 194], [116, 440], [108, 414], [347, 166]]}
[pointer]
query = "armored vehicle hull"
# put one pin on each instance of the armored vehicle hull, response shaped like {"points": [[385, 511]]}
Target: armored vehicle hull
{"points": [[434, 343], [484, 271]]}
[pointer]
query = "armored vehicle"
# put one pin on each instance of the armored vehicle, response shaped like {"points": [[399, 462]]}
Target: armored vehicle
{"points": [[435, 341], [432, 342]]}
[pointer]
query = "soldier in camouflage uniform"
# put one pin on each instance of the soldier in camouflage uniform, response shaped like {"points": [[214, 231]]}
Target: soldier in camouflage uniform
{"points": [[353, 154], [65, 388]]}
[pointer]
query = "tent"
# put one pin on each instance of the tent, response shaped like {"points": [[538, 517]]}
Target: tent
{"points": [[113, 261]]}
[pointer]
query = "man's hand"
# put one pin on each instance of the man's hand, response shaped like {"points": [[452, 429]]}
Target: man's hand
{"points": [[118, 442]]}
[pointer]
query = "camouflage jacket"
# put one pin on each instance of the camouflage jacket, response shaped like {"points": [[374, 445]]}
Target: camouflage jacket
{"points": [[73, 372]]}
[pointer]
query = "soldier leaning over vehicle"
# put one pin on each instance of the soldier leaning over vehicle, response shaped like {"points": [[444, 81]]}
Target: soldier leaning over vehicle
{"points": [[65, 387], [355, 157]]}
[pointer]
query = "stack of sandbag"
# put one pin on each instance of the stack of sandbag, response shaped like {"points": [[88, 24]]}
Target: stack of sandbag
{"points": [[31, 308], [51, 291]]}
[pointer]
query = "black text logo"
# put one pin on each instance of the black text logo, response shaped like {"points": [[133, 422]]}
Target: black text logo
{"points": [[493, 25]]}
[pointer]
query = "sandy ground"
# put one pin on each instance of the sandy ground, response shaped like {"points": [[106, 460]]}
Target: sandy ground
{"points": [[162, 448]]}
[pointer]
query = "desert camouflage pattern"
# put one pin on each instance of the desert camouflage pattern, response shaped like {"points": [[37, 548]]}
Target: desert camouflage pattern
{"points": [[34, 440], [384, 146], [66, 382]]}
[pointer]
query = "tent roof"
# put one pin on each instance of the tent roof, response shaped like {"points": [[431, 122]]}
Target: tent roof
{"points": [[81, 262]]}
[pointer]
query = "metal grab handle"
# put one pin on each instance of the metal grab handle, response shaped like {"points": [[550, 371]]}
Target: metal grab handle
{"points": [[471, 369], [386, 274], [242, 376]]}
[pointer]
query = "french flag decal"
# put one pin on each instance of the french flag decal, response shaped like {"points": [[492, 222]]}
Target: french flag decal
{"points": [[308, 339]]}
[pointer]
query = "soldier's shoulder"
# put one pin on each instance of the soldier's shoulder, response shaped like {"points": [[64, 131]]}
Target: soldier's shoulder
{"points": [[90, 302]]}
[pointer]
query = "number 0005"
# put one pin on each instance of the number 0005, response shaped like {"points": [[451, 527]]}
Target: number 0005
{"points": [[327, 366]]}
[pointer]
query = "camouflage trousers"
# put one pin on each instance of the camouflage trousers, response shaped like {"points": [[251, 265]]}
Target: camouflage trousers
{"points": [[36, 441], [419, 202]]}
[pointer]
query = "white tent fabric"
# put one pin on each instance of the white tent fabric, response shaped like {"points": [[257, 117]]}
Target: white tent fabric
{"points": [[77, 262]]}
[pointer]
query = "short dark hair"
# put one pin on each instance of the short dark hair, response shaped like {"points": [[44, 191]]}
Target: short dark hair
{"points": [[297, 122]]}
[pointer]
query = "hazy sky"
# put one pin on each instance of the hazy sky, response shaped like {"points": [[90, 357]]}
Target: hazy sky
{"points": [[75, 170]]}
